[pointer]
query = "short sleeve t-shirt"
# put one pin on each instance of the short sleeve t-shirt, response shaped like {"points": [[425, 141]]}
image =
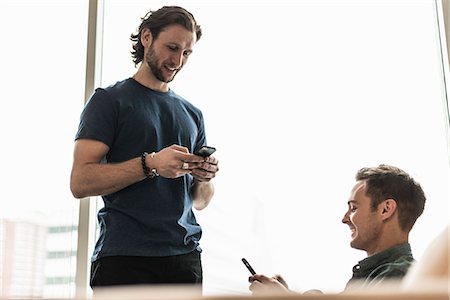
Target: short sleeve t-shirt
{"points": [[152, 217]]}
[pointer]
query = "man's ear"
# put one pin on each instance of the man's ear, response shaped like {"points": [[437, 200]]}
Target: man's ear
{"points": [[146, 37], [387, 208]]}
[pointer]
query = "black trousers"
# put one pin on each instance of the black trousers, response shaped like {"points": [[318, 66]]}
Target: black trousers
{"points": [[132, 270]]}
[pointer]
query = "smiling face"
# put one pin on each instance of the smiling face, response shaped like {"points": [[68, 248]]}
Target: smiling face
{"points": [[364, 223], [169, 52]]}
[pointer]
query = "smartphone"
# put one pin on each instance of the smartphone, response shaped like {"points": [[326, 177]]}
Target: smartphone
{"points": [[248, 266], [205, 151]]}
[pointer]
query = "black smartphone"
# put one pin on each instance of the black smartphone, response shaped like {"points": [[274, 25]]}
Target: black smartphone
{"points": [[205, 151], [248, 266]]}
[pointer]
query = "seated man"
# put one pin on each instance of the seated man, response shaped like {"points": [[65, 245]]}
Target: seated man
{"points": [[384, 204]]}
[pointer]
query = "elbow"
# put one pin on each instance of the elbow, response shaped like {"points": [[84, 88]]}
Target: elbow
{"points": [[77, 189], [200, 205], [76, 192]]}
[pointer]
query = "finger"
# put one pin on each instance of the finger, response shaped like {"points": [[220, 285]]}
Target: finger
{"points": [[260, 278], [202, 175], [200, 179], [253, 278], [255, 286], [206, 166], [281, 280], [212, 160], [211, 168], [179, 148]]}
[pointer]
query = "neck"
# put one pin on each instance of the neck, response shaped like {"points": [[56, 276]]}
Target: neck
{"points": [[145, 77], [389, 239]]}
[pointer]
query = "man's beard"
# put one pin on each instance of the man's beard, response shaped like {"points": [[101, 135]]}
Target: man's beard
{"points": [[153, 63]]}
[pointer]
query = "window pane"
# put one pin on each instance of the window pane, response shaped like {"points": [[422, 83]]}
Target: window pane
{"points": [[297, 96], [42, 76]]}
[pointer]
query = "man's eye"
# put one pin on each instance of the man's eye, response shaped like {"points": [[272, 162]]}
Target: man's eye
{"points": [[173, 48], [186, 54], [352, 209]]}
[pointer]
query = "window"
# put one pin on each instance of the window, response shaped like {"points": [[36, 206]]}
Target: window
{"points": [[297, 96], [42, 88]]}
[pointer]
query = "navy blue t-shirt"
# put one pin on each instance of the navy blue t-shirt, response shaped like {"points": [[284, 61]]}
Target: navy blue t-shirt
{"points": [[153, 217]]}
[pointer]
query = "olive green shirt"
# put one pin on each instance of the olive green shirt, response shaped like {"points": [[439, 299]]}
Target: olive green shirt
{"points": [[392, 263]]}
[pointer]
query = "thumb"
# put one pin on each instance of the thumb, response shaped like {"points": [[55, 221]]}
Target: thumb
{"points": [[280, 279]]}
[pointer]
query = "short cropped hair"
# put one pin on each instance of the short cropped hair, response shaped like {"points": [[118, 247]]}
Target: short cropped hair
{"points": [[389, 182], [157, 20]]}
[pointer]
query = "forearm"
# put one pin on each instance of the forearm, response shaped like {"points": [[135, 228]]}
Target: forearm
{"points": [[95, 179], [202, 194]]}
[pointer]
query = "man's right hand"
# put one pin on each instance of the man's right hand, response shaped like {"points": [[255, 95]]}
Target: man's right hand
{"points": [[261, 284], [173, 161]]}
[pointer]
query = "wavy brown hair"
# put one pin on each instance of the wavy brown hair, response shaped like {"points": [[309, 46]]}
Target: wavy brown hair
{"points": [[388, 182], [159, 19]]}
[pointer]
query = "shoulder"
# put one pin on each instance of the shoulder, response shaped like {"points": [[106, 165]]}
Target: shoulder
{"points": [[185, 103], [394, 264], [105, 92], [395, 269], [115, 95], [120, 87]]}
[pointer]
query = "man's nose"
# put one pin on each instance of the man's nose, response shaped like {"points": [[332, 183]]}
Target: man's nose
{"points": [[177, 60], [346, 218]]}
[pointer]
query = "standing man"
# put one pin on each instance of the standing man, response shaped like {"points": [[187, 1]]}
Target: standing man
{"points": [[384, 205], [134, 147]]}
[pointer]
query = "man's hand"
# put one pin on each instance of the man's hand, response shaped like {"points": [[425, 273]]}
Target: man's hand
{"points": [[261, 284], [174, 161], [205, 170]]}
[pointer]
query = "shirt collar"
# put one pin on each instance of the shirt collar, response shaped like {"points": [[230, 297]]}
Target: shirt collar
{"points": [[385, 256]]}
